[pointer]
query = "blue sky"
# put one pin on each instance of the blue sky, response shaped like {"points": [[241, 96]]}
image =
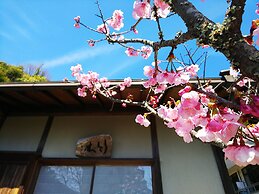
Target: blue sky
{"points": [[41, 32]]}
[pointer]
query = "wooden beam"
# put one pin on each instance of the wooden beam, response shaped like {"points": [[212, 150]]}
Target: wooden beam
{"points": [[92, 181], [54, 98], [44, 135], [223, 171], [78, 110], [75, 97], [97, 161], [156, 170], [2, 120]]}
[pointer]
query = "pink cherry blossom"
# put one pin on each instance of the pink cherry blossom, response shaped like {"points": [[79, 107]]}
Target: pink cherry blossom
{"points": [[185, 90], [163, 8], [91, 43], [126, 83], [215, 124], [245, 108], [149, 83], [242, 82], [205, 135], [209, 89], [255, 111], [257, 10], [240, 155], [77, 20], [161, 4], [254, 129], [117, 20], [135, 31], [77, 25], [168, 114], [142, 120], [255, 99], [190, 112], [181, 78], [192, 70], [165, 77], [85, 80], [103, 29], [76, 69], [81, 92], [146, 51], [183, 128], [160, 88], [205, 46], [149, 71], [204, 99], [104, 81], [141, 9], [233, 72], [190, 99], [256, 158], [131, 52], [162, 112], [154, 64]]}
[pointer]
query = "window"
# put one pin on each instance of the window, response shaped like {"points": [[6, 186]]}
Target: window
{"points": [[17, 171], [246, 180], [94, 180], [11, 175]]}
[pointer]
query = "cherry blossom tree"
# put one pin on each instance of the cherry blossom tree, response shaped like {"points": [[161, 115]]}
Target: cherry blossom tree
{"points": [[200, 113]]}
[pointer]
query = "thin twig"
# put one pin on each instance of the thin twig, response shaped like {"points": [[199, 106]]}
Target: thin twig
{"points": [[204, 68], [160, 32]]}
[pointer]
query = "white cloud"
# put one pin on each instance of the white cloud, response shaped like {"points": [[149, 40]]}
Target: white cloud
{"points": [[76, 56], [6, 36], [123, 65], [22, 31], [19, 21]]}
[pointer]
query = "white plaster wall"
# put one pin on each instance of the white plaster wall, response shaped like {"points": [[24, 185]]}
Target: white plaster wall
{"points": [[21, 133], [129, 139], [187, 168]]}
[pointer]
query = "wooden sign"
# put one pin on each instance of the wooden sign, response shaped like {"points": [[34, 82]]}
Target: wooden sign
{"points": [[94, 147]]}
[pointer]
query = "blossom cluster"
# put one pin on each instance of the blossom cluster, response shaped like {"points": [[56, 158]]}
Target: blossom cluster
{"points": [[91, 82], [143, 9], [242, 155], [116, 22], [196, 114], [257, 10], [145, 51], [250, 105], [161, 79]]}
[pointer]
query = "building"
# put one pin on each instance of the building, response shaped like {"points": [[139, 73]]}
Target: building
{"points": [[40, 124]]}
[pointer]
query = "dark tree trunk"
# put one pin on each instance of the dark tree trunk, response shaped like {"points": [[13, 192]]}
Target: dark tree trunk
{"points": [[225, 37]]}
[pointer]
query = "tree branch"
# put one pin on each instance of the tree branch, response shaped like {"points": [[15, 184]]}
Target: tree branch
{"points": [[234, 15], [220, 37], [133, 40], [179, 39]]}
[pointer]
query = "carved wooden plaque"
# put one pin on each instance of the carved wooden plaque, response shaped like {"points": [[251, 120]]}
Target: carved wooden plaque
{"points": [[94, 147]]}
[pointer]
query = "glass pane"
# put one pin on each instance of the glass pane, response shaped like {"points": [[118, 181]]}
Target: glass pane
{"points": [[11, 175], [64, 180], [123, 180]]}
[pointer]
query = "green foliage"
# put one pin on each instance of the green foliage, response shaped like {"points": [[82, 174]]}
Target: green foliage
{"points": [[11, 73]]}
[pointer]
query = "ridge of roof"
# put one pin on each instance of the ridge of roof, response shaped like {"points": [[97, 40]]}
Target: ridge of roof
{"points": [[75, 83]]}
